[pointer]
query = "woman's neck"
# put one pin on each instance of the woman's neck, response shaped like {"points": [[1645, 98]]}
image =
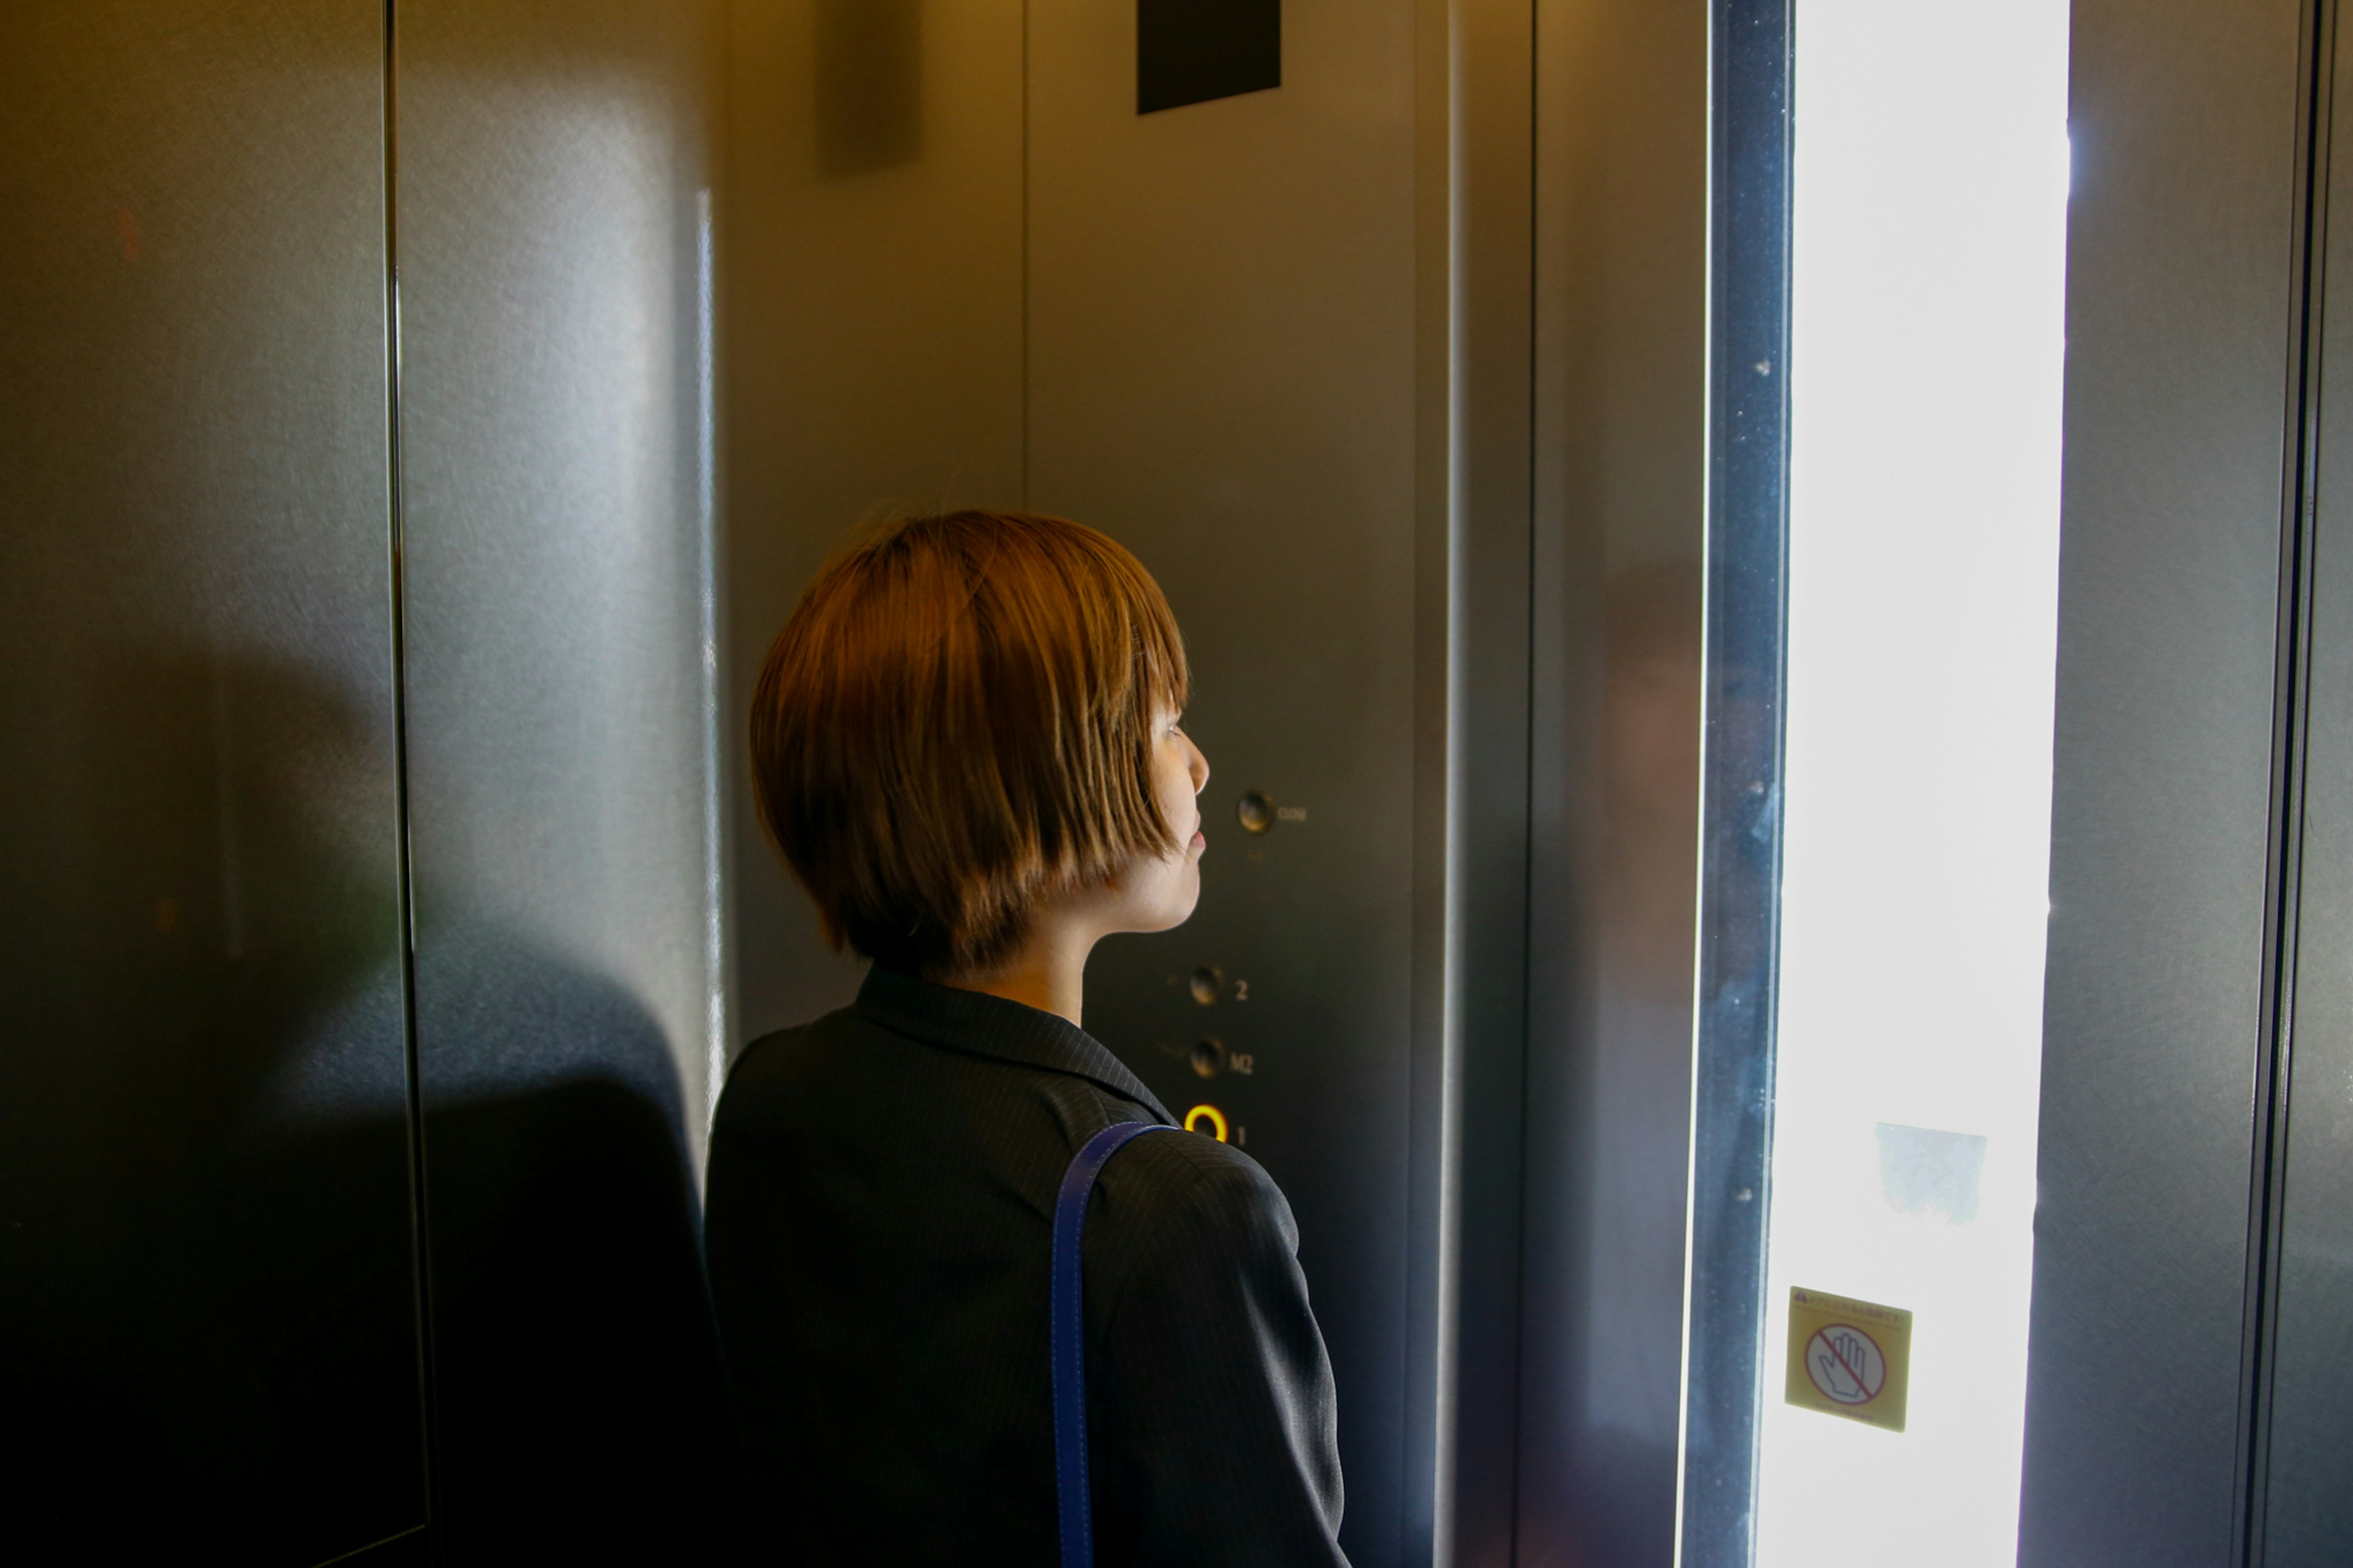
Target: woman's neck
{"points": [[1047, 971]]}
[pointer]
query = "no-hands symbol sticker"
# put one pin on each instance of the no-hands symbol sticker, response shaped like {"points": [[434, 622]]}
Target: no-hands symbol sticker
{"points": [[1848, 1358]]}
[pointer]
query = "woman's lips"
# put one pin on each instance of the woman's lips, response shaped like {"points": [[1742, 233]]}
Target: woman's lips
{"points": [[1200, 840]]}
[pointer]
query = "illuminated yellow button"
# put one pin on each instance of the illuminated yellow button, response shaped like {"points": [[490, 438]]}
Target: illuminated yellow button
{"points": [[1210, 1114]]}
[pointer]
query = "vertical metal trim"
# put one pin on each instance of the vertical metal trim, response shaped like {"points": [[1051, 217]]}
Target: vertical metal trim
{"points": [[1428, 1457], [1444, 1514], [1750, 50], [395, 546], [717, 978], [2292, 696], [1490, 127], [1529, 562], [1025, 255]]}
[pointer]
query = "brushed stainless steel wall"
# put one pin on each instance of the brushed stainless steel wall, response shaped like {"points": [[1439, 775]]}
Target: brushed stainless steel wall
{"points": [[1623, 203], [2182, 262], [1489, 587], [556, 252], [1221, 360], [205, 1240], [874, 346], [2303, 1473]]}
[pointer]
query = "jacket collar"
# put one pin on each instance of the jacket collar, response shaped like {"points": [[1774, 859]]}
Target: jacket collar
{"points": [[974, 1022]]}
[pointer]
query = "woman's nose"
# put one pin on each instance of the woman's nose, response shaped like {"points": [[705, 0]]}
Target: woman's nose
{"points": [[1200, 768]]}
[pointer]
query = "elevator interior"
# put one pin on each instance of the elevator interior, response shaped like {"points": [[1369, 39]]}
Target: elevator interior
{"points": [[1221, 375], [1631, 614]]}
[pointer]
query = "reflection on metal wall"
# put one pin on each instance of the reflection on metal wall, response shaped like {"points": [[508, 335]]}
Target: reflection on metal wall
{"points": [[552, 245], [2171, 507], [1623, 114], [204, 1249]]}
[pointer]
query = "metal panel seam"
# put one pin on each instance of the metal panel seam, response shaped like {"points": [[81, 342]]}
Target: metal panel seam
{"points": [[405, 880], [1527, 813], [2292, 697]]}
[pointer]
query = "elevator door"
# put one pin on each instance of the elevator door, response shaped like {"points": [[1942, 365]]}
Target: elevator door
{"points": [[359, 519], [204, 1255]]}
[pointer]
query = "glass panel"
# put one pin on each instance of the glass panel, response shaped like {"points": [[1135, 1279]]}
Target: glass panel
{"points": [[1928, 234]]}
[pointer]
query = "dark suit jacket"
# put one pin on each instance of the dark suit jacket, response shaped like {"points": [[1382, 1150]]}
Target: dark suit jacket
{"points": [[880, 1187]]}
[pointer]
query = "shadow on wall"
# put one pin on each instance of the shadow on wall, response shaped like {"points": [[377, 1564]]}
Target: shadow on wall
{"points": [[206, 1282], [208, 1292], [580, 1403]]}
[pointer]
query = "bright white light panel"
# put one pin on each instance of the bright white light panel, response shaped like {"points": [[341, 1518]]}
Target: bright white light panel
{"points": [[1931, 180]]}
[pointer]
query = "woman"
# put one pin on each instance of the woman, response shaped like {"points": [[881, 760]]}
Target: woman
{"points": [[966, 742]]}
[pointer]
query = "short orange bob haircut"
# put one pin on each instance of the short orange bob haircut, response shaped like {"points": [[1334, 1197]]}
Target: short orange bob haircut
{"points": [[957, 720]]}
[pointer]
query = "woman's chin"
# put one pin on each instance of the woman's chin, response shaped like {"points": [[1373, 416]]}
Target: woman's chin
{"points": [[1159, 894], [1184, 909], [1177, 907]]}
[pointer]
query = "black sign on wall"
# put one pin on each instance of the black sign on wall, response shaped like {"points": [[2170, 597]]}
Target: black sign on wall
{"points": [[1190, 51]]}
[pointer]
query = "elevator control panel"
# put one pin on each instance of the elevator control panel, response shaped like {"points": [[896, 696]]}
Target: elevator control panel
{"points": [[1199, 1021]]}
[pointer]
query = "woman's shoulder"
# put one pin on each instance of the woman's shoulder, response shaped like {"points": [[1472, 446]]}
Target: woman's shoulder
{"points": [[1195, 1157], [791, 1062], [1195, 1230], [1179, 1183]]}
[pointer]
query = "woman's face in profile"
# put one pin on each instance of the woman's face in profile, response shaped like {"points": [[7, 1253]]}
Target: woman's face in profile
{"points": [[1159, 892]]}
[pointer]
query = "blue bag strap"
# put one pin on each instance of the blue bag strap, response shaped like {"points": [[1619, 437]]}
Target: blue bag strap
{"points": [[1069, 1351]]}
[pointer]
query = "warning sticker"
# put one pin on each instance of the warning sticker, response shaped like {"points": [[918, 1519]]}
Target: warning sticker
{"points": [[1848, 1358]]}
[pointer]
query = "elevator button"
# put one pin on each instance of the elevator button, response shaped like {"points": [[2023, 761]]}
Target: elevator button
{"points": [[1209, 1057], [1207, 981], [1210, 1115], [1256, 811]]}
